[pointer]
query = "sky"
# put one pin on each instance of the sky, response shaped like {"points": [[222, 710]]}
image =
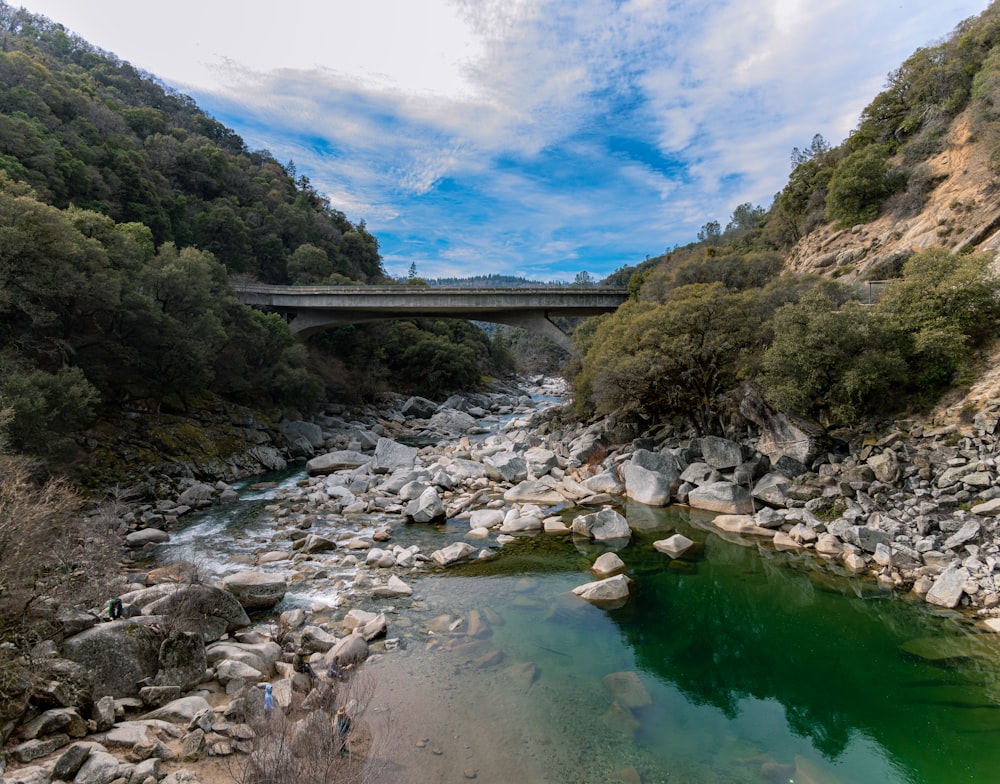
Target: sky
{"points": [[540, 138]]}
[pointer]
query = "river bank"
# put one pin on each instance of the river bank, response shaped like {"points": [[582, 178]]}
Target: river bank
{"points": [[330, 547]]}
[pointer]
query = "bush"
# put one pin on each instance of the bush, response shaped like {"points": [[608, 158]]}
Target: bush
{"points": [[860, 184]]}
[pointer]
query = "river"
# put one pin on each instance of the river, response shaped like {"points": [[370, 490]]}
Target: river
{"points": [[759, 666]]}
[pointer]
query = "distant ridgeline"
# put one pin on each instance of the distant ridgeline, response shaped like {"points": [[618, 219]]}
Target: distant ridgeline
{"points": [[494, 281]]}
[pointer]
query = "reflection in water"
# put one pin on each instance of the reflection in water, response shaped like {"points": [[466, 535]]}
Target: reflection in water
{"points": [[766, 648]]}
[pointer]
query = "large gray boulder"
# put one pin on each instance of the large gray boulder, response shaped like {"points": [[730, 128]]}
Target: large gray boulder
{"points": [[721, 453], [392, 456], [649, 486], [540, 461], [419, 408], [312, 433], [723, 497], [255, 590], [948, 587], [340, 460], [772, 489], [456, 552], [534, 492], [783, 434], [118, 654], [606, 525], [613, 590], [209, 611], [181, 660], [450, 420], [426, 508], [506, 467], [141, 538]]}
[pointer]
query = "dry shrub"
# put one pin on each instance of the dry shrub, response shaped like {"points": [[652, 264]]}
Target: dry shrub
{"points": [[299, 744], [48, 549]]}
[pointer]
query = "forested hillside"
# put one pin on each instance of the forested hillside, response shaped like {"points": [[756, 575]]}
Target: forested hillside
{"points": [[779, 298], [124, 212]]}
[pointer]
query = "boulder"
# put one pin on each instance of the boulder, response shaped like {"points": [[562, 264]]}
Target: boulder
{"points": [[351, 649], [782, 434], [392, 456], [607, 564], [721, 453], [180, 711], [486, 518], [506, 467], [648, 486], [419, 408], [450, 420], [772, 488], [604, 482], [100, 767], [181, 660], [612, 590], [948, 587], [454, 553], [138, 539], [341, 460], [118, 655], [540, 461], [603, 526], [740, 524], [255, 590], [394, 587], [312, 433], [534, 492], [723, 497], [229, 670], [56, 720], [196, 495], [427, 508], [204, 609], [314, 543], [674, 546]]}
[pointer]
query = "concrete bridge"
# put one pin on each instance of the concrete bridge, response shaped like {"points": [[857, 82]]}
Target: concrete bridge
{"points": [[312, 308]]}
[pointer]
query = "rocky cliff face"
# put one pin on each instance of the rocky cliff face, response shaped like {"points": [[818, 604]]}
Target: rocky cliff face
{"points": [[960, 209]]}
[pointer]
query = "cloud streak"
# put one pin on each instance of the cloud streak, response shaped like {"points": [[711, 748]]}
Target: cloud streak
{"points": [[534, 137]]}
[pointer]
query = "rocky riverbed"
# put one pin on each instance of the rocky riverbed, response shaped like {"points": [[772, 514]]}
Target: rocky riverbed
{"points": [[177, 683]]}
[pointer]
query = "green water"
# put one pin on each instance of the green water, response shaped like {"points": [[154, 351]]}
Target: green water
{"points": [[761, 667]]}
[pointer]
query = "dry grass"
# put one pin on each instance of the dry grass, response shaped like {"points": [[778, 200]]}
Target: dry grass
{"points": [[300, 744]]}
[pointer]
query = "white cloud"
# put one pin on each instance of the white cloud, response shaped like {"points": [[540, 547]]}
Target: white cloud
{"points": [[526, 132]]}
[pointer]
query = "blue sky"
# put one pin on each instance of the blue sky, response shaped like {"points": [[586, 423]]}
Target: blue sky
{"points": [[528, 137]]}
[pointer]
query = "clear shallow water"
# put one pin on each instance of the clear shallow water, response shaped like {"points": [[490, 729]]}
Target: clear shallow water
{"points": [[760, 666]]}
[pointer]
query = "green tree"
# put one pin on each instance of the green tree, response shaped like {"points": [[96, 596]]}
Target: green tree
{"points": [[832, 360], [948, 306], [309, 265], [860, 184], [678, 358]]}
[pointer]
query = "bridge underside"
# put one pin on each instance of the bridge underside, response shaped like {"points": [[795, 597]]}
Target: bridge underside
{"points": [[308, 322]]}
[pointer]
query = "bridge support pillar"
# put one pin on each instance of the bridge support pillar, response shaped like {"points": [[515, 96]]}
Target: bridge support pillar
{"points": [[540, 323]]}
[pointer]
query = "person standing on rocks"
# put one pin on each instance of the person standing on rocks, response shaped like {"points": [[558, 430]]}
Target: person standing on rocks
{"points": [[268, 700]]}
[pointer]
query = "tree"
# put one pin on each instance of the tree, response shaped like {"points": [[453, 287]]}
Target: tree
{"points": [[309, 264], [584, 280], [710, 233], [678, 358], [948, 305], [860, 184], [833, 361]]}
